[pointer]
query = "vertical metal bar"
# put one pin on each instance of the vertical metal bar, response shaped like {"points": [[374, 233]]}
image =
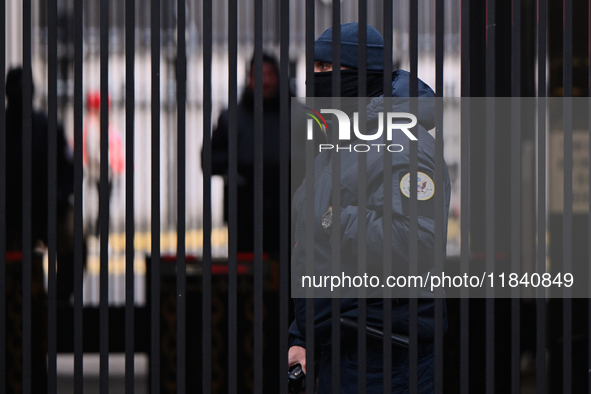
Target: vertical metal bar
{"points": [[258, 195], [284, 185], [516, 52], [362, 200], [336, 255], [155, 258], [516, 193], [439, 185], [567, 261], [233, 191], [567, 45], [78, 196], [465, 198], [309, 204], [541, 198], [52, 197], [336, 49], [413, 203], [310, 347], [3, 281], [387, 228], [567, 217], [362, 256], [309, 27], [27, 243], [336, 202], [588, 221], [362, 48], [413, 46], [104, 193], [129, 195], [207, 221], [490, 191], [388, 48], [490, 246], [181, 277]]}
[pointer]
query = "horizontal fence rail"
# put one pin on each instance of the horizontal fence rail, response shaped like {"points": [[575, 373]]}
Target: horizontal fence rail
{"points": [[170, 177]]}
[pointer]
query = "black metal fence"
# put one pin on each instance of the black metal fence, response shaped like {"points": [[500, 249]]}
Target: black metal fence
{"points": [[219, 322]]}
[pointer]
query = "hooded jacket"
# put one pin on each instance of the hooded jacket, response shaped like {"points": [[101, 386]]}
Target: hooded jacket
{"points": [[349, 215]]}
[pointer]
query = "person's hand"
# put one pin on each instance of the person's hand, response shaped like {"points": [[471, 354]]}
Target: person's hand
{"points": [[297, 355]]}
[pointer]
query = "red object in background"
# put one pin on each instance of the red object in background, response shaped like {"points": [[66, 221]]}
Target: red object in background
{"points": [[12, 256], [93, 100], [92, 125], [249, 256], [244, 260]]}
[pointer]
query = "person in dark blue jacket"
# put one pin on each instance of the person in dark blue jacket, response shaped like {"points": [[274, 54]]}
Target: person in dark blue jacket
{"points": [[246, 158], [374, 222]]}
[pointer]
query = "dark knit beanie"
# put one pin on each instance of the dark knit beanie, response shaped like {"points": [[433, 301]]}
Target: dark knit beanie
{"points": [[349, 40]]}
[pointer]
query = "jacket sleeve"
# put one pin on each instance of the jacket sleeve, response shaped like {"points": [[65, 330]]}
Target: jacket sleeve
{"points": [[350, 216], [374, 225], [295, 337]]}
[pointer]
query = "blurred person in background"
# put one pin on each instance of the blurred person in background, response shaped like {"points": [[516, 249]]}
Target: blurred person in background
{"points": [[39, 168], [271, 137], [39, 231], [246, 159]]}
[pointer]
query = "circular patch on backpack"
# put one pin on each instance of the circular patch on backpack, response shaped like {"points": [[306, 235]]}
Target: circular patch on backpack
{"points": [[425, 186]]}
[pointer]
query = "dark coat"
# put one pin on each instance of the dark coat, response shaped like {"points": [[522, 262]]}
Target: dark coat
{"points": [[246, 171], [374, 222], [39, 175]]}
